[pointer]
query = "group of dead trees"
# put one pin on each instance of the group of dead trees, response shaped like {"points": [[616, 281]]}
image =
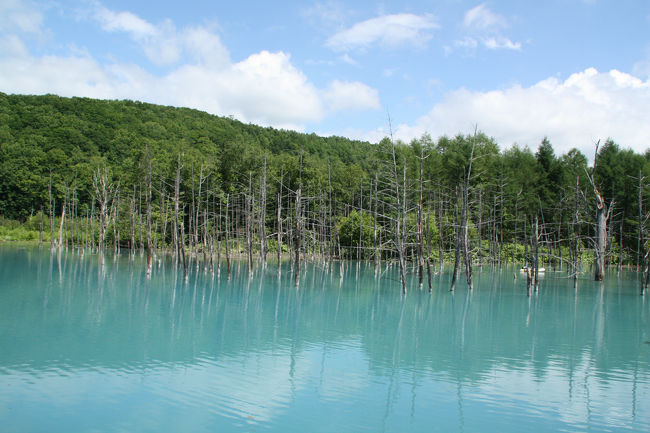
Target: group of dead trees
{"points": [[404, 217]]}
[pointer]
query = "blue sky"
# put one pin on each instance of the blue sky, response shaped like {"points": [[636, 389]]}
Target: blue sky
{"points": [[573, 70]]}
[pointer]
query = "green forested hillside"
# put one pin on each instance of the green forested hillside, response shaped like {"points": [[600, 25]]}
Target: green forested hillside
{"points": [[352, 193], [69, 137]]}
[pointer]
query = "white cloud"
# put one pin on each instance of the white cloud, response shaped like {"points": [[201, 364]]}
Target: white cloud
{"points": [[124, 22], [387, 31], [12, 46], [482, 18], [330, 13], [470, 43], [588, 105], [20, 16], [345, 95], [345, 58], [484, 28], [501, 43], [265, 88], [163, 44], [68, 76]]}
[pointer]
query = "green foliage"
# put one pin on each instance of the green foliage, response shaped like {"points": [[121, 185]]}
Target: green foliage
{"points": [[49, 140], [11, 230], [353, 229]]}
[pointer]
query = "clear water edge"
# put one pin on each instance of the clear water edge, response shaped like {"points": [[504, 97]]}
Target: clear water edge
{"points": [[90, 347]]}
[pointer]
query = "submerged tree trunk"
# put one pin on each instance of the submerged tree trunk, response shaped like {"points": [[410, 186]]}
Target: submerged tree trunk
{"points": [[227, 234], [297, 235], [103, 190], [263, 215], [149, 246], [420, 257], [603, 213]]}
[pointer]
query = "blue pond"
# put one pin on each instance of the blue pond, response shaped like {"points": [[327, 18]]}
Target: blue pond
{"points": [[90, 344]]}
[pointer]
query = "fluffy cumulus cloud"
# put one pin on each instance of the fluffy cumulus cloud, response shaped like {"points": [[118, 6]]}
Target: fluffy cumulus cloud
{"points": [[587, 106], [265, 88], [346, 95], [386, 31], [162, 43]]}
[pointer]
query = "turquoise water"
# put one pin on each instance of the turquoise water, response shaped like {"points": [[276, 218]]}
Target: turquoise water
{"points": [[86, 347]]}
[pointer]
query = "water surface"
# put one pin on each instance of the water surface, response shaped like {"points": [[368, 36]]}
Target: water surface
{"points": [[91, 345]]}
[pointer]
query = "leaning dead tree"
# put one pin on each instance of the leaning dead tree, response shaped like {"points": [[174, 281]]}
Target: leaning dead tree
{"points": [[603, 213]]}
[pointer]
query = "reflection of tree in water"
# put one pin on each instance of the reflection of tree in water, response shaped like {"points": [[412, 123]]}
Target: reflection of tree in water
{"points": [[494, 340]]}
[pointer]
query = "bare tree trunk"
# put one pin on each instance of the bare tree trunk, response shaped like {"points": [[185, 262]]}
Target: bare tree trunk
{"points": [[263, 215], [149, 245], [92, 226], [466, 242], [116, 236], [40, 238], [620, 243], [360, 244], [178, 223], [457, 248], [65, 197], [420, 257], [279, 221], [249, 222], [133, 222], [51, 213], [639, 241], [227, 234], [603, 213], [536, 259], [401, 209], [374, 228], [297, 235], [104, 191], [428, 258], [441, 251]]}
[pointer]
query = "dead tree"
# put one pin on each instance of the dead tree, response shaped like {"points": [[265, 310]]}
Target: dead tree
{"points": [[63, 209], [420, 249], [298, 226], [400, 232], [227, 222], [279, 220], [103, 190], [149, 246], [639, 253], [249, 222], [603, 213], [51, 213], [179, 231], [462, 238], [262, 222]]}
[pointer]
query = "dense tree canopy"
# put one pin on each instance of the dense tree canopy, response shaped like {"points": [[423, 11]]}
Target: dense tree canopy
{"points": [[50, 140]]}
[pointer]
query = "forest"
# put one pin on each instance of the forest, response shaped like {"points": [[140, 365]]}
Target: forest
{"points": [[135, 177]]}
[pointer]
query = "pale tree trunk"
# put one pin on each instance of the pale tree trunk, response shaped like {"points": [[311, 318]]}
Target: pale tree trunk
{"points": [[104, 190], [401, 213], [263, 215], [420, 257], [279, 221], [603, 213], [149, 245]]}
